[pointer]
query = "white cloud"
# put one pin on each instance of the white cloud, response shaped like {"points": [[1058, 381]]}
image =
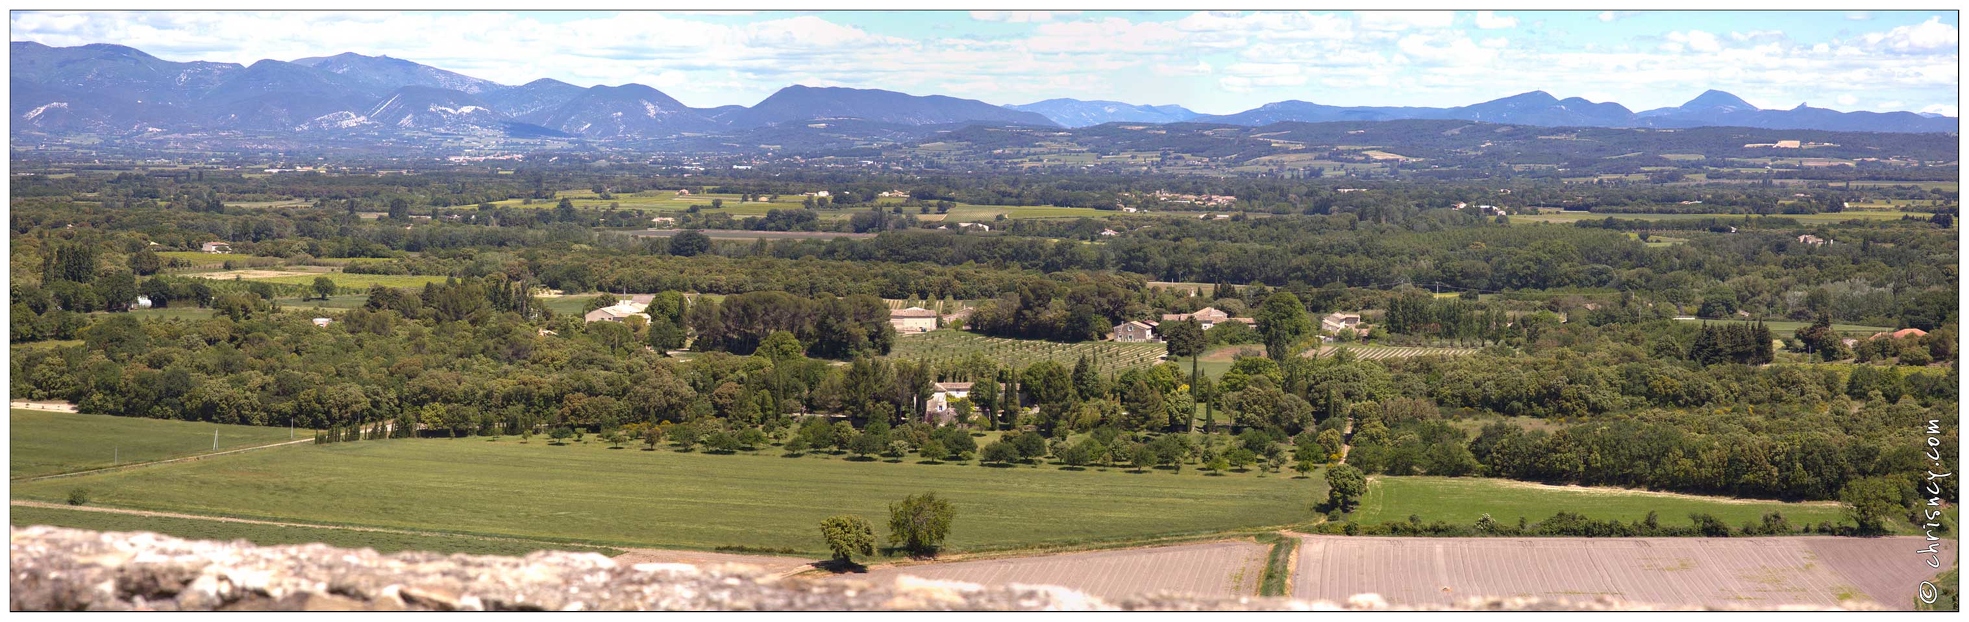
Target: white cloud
{"points": [[1404, 20], [1614, 16], [1928, 36], [1020, 17], [1694, 40], [1490, 21], [1941, 109], [1165, 69], [1847, 99]]}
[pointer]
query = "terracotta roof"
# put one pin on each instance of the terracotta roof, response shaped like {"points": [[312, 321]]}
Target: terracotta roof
{"points": [[913, 312]]}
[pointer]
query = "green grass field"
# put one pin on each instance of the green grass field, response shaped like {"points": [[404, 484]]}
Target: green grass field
{"points": [[1462, 500], [359, 281], [586, 493], [45, 442], [949, 345], [197, 258], [273, 535], [1783, 329]]}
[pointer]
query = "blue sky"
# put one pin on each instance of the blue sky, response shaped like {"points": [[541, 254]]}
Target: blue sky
{"points": [[1209, 62]]}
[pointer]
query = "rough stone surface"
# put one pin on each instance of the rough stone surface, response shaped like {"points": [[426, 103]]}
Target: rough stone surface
{"points": [[67, 570]]}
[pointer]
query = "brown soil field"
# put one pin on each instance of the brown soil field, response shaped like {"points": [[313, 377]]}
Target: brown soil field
{"points": [[1225, 568], [1709, 572]]}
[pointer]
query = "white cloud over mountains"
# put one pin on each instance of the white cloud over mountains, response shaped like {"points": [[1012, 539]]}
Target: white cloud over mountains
{"points": [[1218, 61]]}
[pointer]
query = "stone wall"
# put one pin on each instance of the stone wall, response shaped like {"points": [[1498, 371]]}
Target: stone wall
{"points": [[66, 569]]}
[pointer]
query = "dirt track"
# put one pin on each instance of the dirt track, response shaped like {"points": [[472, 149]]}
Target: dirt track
{"points": [[1799, 570], [1224, 568], [137, 465]]}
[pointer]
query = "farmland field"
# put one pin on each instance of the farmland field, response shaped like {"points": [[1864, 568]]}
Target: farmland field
{"points": [[587, 493], [1226, 568], [197, 258], [1462, 500], [948, 345], [1375, 352], [1783, 329], [1678, 572], [44, 443]]}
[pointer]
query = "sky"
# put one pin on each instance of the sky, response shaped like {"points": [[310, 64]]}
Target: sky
{"points": [[1210, 62]]}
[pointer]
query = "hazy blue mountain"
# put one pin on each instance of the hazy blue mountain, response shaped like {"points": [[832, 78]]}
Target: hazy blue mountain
{"points": [[630, 110], [534, 99], [426, 108], [275, 95], [114, 89], [804, 103], [1080, 113], [1712, 108], [384, 74], [115, 71]]}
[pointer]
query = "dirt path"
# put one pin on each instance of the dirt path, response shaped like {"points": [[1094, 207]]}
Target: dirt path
{"points": [[1347, 447], [63, 407], [135, 465]]}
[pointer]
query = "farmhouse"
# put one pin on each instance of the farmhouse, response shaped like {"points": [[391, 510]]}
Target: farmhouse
{"points": [[913, 320], [1135, 332], [1207, 317], [974, 225], [617, 312], [684, 192], [1811, 239], [1108, 233], [216, 248], [938, 409], [323, 322], [1337, 322]]}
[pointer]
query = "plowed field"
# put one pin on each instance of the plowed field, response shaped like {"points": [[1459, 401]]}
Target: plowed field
{"points": [[1716, 572]]}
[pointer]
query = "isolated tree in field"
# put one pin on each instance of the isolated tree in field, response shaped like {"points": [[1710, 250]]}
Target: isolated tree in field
{"points": [[848, 535], [1000, 452], [1141, 457], [933, 450], [1282, 321], [1870, 501], [614, 439], [689, 243], [560, 435], [919, 523], [1346, 485], [323, 287], [1184, 339], [1239, 458]]}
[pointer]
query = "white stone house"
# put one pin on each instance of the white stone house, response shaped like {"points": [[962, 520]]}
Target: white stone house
{"points": [[913, 320]]}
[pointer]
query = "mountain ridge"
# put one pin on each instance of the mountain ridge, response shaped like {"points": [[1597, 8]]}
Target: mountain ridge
{"points": [[112, 89]]}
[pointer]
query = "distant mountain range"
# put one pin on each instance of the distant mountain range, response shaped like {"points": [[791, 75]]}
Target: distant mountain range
{"points": [[1077, 113], [113, 90]]}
